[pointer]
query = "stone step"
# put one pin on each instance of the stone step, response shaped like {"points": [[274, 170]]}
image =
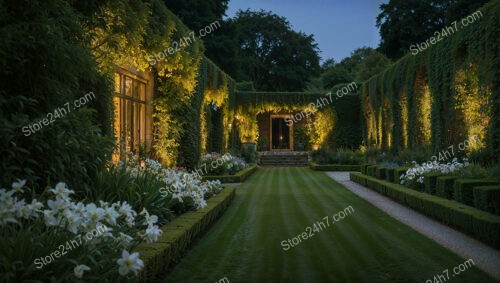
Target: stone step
{"points": [[284, 159]]}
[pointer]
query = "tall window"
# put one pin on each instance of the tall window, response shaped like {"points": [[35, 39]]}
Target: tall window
{"points": [[130, 113]]}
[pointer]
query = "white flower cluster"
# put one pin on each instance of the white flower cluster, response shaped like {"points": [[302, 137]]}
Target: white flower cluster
{"points": [[177, 184], [12, 209], [431, 167], [78, 217], [231, 164], [236, 164]]}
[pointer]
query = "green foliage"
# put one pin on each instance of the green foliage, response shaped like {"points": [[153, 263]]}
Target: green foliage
{"points": [[142, 191], [272, 55], [372, 65], [239, 177], [394, 99], [463, 189], [333, 167], [341, 156], [479, 224], [444, 186], [487, 198], [179, 234], [37, 43], [334, 76], [216, 165]]}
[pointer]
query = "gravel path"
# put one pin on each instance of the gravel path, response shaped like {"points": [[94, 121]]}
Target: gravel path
{"points": [[484, 257]]}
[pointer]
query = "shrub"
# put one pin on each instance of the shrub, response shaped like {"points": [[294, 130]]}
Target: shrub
{"points": [[444, 186], [414, 177], [487, 198], [479, 224], [342, 156], [380, 172], [430, 180], [215, 164], [463, 189], [419, 155], [364, 167], [63, 222]]}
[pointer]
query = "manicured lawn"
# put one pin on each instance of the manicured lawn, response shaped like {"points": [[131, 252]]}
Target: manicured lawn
{"points": [[276, 204]]}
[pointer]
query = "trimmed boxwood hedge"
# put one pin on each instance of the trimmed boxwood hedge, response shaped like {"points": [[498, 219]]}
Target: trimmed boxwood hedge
{"points": [[334, 167], [364, 167], [179, 234], [463, 189], [389, 174], [444, 186], [430, 183], [479, 224], [487, 198], [370, 170], [236, 178], [398, 171], [380, 172]]}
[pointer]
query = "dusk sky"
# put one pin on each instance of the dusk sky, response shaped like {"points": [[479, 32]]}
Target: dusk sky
{"points": [[338, 26]]}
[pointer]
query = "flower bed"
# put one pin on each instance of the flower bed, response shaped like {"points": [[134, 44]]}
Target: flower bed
{"points": [[236, 178], [179, 235], [214, 164], [42, 237]]}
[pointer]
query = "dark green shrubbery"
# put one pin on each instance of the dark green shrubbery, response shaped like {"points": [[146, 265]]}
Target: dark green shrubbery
{"points": [[342, 156], [44, 65]]}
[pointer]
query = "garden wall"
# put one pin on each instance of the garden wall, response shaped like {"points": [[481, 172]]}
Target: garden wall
{"points": [[442, 95]]}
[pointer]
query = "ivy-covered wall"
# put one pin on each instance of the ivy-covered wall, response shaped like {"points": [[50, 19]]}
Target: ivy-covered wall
{"points": [[441, 96], [347, 131], [188, 87]]}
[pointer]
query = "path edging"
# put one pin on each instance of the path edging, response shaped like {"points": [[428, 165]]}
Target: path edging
{"points": [[476, 223], [236, 178], [178, 235]]}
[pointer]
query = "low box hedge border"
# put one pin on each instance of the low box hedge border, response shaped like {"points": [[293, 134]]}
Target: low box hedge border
{"points": [[236, 178], [364, 167], [334, 167], [370, 170], [463, 189], [380, 172], [389, 175], [179, 234], [481, 225], [398, 171], [444, 186], [487, 198], [430, 181]]}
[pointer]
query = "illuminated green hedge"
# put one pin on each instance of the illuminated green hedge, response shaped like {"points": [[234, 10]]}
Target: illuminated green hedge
{"points": [[346, 108], [440, 96]]}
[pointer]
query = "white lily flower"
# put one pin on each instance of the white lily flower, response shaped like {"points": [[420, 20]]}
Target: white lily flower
{"points": [[18, 186], [129, 263], [152, 234], [79, 269]]}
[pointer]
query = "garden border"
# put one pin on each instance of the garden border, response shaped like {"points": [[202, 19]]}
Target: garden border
{"points": [[239, 177], [481, 225], [334, 167], [179, 234]]}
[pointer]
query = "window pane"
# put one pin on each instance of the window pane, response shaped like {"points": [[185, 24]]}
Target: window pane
{"points": [[128, 86], [117, 83]]}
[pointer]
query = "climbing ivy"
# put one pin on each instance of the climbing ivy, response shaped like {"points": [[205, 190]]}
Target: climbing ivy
{"points": [[460, 71]]}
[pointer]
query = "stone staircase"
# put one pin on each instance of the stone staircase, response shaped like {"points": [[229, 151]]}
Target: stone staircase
{"points": [[283, 158]]}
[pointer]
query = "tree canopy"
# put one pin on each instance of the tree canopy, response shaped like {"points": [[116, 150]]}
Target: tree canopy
{"points": [[406, 22]]}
